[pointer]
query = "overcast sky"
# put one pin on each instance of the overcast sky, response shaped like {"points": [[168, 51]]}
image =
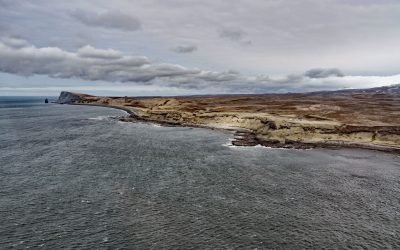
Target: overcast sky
{"points": [[174, 47]]}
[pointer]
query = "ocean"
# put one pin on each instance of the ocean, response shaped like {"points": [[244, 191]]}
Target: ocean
{"points": [[72, 177]]}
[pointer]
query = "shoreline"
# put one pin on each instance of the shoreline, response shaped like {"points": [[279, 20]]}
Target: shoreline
{"points": [[247, 138]]}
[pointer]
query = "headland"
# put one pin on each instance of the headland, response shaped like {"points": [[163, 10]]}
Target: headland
{"points": [[367, 118]]}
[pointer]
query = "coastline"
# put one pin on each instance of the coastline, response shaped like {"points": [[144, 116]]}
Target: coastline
{"points": [[250, 135], [249, 139], [244, 138]]}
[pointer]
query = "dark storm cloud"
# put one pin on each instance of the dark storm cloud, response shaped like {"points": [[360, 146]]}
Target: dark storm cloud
{"points": [[108, 19], [323, 73], [184, 48]]}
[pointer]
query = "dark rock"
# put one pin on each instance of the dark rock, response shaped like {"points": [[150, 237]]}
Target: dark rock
{"points": [[270, 124]]}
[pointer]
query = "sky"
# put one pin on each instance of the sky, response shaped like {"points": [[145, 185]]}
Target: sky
{"points": [[185, 47]]}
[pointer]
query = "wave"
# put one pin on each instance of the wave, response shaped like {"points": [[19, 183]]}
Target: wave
{"points": [[230, 145], [100, 118]]}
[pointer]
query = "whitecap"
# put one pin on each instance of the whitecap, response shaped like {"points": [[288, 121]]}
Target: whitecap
{"points": [[230, 145]]}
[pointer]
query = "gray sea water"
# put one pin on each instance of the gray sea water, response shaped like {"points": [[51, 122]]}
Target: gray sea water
{"points": [[72, 178]]}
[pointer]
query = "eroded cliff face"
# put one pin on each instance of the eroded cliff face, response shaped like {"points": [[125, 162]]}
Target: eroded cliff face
{"points": [[362, 120]]}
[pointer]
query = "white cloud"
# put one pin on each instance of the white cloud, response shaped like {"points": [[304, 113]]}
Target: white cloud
{"points": [[90, 52]]}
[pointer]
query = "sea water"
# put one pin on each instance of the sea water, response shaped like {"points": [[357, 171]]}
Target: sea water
{"points": [[72, 177]]}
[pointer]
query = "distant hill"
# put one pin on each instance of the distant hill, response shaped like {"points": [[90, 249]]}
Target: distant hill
{"points": [[391, 89]]}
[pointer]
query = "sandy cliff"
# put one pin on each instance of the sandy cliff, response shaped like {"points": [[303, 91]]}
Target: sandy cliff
{"points": [[351, 119]]}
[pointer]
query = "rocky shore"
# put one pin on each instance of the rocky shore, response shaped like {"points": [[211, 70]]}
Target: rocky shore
{"points": [[352, 119]]}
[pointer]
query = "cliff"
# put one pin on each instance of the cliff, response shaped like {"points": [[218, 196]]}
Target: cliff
{"points": [[68, 97]]}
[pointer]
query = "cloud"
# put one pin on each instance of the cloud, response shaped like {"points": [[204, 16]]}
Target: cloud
{"points": [[220, 76], [184, 48], [90, 52], [292, 37], [107, 65], [247, 43], [88, 63], [108, 19], [14, 42], [323, 73], [236, 35], [233, 34]]}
